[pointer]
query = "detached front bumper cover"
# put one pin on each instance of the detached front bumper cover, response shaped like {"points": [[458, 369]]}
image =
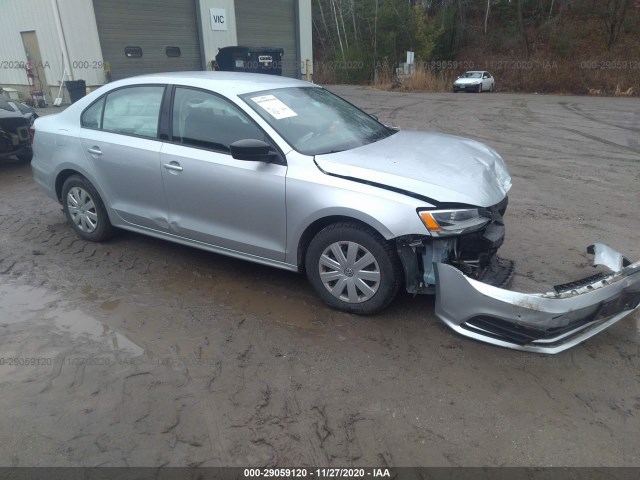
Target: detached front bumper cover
{"points": [[541, 322]]}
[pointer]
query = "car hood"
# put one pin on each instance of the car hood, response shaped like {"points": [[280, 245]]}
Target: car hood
{"points": [[441, 167], [467, 81]]}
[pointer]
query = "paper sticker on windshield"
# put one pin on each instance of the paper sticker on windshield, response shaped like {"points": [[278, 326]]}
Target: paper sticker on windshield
{"points": [[274, 107]]}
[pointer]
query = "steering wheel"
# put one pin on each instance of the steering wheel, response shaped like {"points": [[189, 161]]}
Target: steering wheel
{"points": [[331, 129]]}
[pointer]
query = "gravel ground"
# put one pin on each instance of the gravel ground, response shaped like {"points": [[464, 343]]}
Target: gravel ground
{"points": [[141, 352]]}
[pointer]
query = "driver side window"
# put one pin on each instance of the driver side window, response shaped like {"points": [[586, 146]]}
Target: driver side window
{"points": [[204, 120]]}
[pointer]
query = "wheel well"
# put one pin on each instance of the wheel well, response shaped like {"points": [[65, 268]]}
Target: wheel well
{"points": [[62, 177], [313, 229]]}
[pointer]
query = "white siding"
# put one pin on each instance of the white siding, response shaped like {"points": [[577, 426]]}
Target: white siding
{"points": [[212, 40], [80, 31], [79, 23]]}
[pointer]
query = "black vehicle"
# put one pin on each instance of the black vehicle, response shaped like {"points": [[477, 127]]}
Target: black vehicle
{"points": [[25, 110], [15, 139]]}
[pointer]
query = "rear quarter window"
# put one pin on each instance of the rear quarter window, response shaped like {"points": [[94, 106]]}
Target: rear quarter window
{"points": [[92, 116], [133, 111]]}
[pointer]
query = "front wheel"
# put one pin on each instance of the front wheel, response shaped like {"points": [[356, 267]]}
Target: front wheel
{"points": [[480, 88], [353, 269], [84, 209]]}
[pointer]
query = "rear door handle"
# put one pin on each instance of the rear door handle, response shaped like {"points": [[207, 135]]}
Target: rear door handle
{"points": [[95, 151], [173, 166]]}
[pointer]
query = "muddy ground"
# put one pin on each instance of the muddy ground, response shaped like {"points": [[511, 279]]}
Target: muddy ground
{"points": [[149, 353]]}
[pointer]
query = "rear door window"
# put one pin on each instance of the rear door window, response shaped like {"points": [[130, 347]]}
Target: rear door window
{"points": [[133, 111]]}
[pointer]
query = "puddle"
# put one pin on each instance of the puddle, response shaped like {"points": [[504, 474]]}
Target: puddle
{"points": [[20, 303], [79, 324]]}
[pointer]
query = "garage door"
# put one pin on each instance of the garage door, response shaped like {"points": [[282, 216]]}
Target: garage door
{"points": [[269, 24], [148, 36]]}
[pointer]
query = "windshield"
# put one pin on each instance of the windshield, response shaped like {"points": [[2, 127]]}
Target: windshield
{"points": [[472, 75], [314, 121]]}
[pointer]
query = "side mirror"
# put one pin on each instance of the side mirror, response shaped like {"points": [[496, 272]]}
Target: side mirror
{"points": [[252, 150]]}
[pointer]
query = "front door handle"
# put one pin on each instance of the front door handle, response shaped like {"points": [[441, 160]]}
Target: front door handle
{"points": [[173, 166], [95, 151]]}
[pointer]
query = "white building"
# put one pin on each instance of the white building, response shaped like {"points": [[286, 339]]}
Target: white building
{"points": [[102, 40]]}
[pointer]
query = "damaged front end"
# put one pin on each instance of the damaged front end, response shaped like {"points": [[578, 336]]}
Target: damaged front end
{"points": [[468, 279], [542, 322], [469, 244]]}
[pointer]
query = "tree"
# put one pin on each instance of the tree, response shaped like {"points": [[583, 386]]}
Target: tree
{"points": [[614, 13]]}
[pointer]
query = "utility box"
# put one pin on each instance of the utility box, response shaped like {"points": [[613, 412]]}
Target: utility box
{"points": [[250, 59]]}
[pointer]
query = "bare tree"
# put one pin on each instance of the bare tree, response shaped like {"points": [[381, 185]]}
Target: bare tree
{"points": [[615, 12], [353, 19], [344, 30], [486, 16], [335, 16], [523, 29]]}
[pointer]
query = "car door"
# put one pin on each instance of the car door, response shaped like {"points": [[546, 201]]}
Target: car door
{"points": [[214, 198], [486, 81], [119, 135]]}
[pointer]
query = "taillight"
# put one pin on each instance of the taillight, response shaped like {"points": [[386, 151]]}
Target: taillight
{"points": [[32, 134]]}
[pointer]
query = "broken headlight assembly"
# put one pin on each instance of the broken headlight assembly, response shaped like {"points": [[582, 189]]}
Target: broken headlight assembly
{"points": [[442, 223]]}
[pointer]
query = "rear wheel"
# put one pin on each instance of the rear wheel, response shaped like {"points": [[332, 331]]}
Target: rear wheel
{"points": [[84, 210], [353, 269], [491, 88]]}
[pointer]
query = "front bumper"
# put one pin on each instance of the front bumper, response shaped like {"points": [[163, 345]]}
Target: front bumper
{"points": [[465, 88], [541, 322], [16, 151]]}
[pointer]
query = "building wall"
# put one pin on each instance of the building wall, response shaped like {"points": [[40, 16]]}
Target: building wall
{"points": [[212, 40], [78, 23]]}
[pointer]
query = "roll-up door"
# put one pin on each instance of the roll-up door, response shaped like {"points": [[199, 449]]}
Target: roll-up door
{"points": [[148, 36], [269, 24]]}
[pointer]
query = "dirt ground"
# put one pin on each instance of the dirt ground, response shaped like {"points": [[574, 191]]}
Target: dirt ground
{"points": [[142, 352]]}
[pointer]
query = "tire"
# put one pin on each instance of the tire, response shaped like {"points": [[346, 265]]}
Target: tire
{"points": [[362, 291], [480, 88], [491, 88], [85, 210]]}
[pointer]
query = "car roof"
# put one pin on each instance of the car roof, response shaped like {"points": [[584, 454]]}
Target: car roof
{"points": [[229, 83]]}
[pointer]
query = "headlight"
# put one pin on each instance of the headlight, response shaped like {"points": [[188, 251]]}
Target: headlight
{"points": [[442, 223]]}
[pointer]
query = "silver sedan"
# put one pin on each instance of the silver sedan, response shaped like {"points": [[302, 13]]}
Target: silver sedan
{"points": [[282, 172]]}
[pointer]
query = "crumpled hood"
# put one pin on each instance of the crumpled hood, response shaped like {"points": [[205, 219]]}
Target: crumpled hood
{"points": [[434, 165], [468, 81]]}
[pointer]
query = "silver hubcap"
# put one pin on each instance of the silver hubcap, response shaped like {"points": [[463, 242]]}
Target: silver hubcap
{"points": [[349, 272], [82, 210]]}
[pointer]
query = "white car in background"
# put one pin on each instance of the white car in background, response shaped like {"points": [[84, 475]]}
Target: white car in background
{"points": [[475, 81]]}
